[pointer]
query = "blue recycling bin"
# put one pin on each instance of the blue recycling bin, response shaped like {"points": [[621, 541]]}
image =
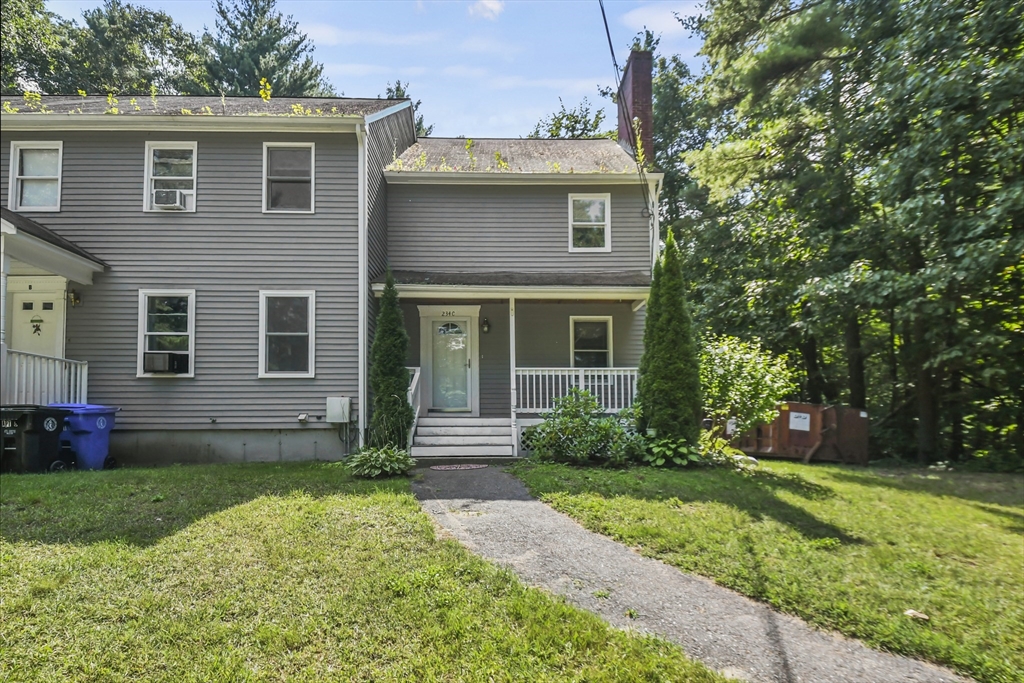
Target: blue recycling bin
{"points": [[87, 431]]}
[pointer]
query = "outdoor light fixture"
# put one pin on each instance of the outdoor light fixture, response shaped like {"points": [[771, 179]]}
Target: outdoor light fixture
{"points": [[73, 298], [485, 325], [303, 417]]}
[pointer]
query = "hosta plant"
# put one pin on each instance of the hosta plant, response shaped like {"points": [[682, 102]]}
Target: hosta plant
{"points": [[383, 461]]}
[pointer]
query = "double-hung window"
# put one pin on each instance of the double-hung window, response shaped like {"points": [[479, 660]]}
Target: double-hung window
{"points": [[591, 341], [287, 333], [35, 176], [170, 176], [288, 177], [167, 339], [590, 223]]}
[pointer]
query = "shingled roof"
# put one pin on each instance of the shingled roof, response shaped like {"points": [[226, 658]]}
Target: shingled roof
{"points": [[40, 231], [518, 155], [187, 105]]}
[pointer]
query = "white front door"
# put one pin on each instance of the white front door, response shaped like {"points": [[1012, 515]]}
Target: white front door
{"points": [[449, 358], [451, 364], [37, 322]]}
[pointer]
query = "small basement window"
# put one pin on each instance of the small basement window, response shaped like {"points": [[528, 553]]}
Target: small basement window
{"points": [[36, 170], [166, 333], [591, 341], [170, 176], [287, 333], [590, 225], [288, 177]]}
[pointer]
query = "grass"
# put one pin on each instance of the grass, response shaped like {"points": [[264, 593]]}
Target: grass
{"points": [[844, 548], [275, 573]]}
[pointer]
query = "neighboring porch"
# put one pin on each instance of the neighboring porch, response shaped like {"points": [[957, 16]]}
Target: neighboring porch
{"points": [[38, 268], [482, 368]]}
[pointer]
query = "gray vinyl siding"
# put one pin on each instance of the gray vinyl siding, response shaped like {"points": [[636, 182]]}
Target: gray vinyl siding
{"points": [[542, 332], [227, 251], [479, 228], [386, 139]]}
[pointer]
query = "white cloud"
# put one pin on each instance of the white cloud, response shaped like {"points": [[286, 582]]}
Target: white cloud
{"points": [[357, 70], [660, 17], [326, 34], [487, 9]]}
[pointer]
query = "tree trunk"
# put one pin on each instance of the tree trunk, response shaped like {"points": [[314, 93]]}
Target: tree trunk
{"points": [[815, 380], [855, 363], [955, 452], [927, 404], [894, 368]]}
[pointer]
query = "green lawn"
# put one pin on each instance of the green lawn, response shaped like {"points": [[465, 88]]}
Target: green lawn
{"points": [[275, 573], [846, 548]]}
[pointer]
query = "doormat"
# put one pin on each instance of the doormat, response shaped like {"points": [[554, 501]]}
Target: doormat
{"points": [[457, 467]]}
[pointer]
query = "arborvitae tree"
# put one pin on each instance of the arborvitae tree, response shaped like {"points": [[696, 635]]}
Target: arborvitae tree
{"points": [[669, 386], [254, 41], [389, 378]]}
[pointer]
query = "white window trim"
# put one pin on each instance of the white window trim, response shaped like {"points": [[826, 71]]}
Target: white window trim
{"points": [[15, 172], [607, 197], [312, 176], [573, 319], [144, 294], [147, 192], [310, 294]]}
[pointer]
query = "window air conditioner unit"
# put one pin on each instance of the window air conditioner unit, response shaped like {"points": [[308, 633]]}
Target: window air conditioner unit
{"points": [[169, 200], [170, 363]]}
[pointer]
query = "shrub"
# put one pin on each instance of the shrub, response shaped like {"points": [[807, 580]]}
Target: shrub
{"points": [[384, 461], [389, 378], [669, 385], [741, 381], [576, 431]]}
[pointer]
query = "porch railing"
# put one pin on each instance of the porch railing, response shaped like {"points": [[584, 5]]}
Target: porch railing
{"points": [[537, 388], [41, 380], [414, 400]]}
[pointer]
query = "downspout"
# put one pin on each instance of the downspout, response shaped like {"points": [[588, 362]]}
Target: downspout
{"points": [[363, 285], [655, 221]]}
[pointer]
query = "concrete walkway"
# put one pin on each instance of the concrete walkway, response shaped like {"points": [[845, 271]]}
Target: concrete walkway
{"points": [[492, 514]]}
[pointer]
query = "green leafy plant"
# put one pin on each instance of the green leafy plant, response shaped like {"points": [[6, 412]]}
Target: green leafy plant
{"points": [[383, 461], [389, 378], [577, 431], [669, 452]]}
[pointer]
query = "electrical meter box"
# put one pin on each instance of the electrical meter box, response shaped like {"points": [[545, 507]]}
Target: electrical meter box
{"points": [[339, 409]]}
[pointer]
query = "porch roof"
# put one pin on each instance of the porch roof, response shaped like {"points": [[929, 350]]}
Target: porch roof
{"points": [[37, 245], [621, 284]]}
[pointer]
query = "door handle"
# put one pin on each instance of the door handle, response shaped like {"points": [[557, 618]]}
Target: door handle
{"points": [[469, 363]]}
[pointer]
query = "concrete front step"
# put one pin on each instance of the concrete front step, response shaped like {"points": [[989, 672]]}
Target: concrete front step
{"points": [[461, 451], [464, 430], [464, 440], [445, 421]]}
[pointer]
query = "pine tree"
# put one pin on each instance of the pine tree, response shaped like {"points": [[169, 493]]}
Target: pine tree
{"points": [[254, 40], [389, 378], [669, 385]]}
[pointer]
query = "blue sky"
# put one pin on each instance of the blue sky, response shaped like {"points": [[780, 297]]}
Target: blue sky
{"points": [[483, 68]]}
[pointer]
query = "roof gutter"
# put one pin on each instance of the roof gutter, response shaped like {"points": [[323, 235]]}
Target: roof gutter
{"points": [[423, 291], [183, 122], [511, 178]]}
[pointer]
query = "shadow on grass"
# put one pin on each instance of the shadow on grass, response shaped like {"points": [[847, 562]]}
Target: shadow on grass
{"points": [[754, 493], [1015, 519], [141, 506], [1000, 489]]}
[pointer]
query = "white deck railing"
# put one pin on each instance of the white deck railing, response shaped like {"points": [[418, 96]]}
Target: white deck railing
{"points": [[414, 400], [41, 380], [537, 388]]}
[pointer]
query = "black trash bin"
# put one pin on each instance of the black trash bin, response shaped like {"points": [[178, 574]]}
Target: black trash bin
{"points": [[31, 439]]}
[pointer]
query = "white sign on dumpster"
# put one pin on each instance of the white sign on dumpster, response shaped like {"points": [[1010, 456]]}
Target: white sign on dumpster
{"points": [[801, 422]]}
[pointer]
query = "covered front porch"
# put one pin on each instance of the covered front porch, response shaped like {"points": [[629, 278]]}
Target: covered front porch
{"points": [[487, 360], [40, 276]]}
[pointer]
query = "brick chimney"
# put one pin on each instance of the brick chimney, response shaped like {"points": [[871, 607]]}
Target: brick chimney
{"points": [[637, 103]]}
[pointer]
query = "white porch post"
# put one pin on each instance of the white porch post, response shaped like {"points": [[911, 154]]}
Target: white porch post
{"points": [[5, 265], [512, 369]]}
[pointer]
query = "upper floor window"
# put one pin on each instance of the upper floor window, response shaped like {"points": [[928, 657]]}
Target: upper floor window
{"points": [[287, 333], [288, 176], [35, 176], [590, 224], [170, 176], [591, 341], [166, 332]]}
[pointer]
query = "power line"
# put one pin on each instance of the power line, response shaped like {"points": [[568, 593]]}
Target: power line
{"points": [[623, 108]]}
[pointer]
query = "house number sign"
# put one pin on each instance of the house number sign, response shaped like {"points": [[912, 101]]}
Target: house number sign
{"points": [[447, 314]]}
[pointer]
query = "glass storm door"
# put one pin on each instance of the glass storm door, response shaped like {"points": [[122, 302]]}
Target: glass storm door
{"points": [[450, 364]]}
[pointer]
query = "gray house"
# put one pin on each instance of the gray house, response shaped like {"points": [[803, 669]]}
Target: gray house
{"points": [[211, 266]]}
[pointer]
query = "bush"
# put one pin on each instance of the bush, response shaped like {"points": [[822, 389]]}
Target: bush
{"points": [[385, 461], [392, 415], [577, 432], [742, 382]]}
